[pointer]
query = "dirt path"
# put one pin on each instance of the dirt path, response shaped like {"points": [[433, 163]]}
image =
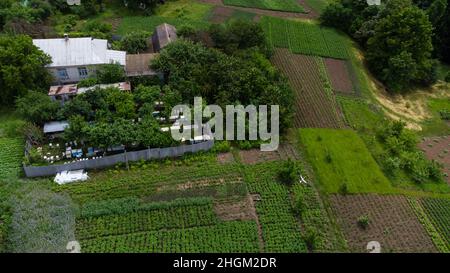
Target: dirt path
{"points": [[251, 200], [310, 13]]}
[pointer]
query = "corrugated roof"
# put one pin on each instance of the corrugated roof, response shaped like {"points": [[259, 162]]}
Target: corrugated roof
{"points": [[55, 126], [139, 64], [166, 34], [62, 89], [79, 51], [123, 86]]}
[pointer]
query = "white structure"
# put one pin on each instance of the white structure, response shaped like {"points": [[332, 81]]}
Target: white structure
{"points": [[74, 59], [73, 2], [374, 2], [55, 127], [71, 176]]}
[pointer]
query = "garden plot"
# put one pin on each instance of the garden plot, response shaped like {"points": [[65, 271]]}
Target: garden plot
{"points": [[339, 76], [438, 211], [391, 222], [277, 5], [305, 38], [220, 14], [254, 156], [438, 148], [314, 106]]}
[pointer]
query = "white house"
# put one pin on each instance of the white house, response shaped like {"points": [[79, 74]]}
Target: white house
{"points": [[74, 59]]}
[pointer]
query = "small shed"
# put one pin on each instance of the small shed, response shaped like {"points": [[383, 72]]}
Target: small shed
{"points": [[55, 127], [164, 34]]}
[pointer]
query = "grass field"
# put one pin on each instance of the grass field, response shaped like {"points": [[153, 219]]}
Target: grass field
{"points": [[305, 38], [340, 157], [318, 5], [436, 125], [148, 23], [279, 5]]}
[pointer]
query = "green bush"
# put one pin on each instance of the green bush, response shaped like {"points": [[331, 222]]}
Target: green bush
{"points": [[447, 77], [363, 221], [221, 147], [135, 42], [288, 174]]}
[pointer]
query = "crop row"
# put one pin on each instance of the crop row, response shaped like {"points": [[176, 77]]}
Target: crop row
{"points": [[281, 231], [279, 5], [438, 210], [315, 106], [146, 220], [235, 236], [144, 183], [305, 38], [10, 157]]}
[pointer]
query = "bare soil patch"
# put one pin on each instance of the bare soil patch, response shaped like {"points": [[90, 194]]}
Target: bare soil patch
{"points": [[231, 210], [392, 223], [254, 156], [438, 148], [339, 76], [225, 158]]}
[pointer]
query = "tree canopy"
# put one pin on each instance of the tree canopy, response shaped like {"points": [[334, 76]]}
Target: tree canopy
{"points": [[22, 68]]}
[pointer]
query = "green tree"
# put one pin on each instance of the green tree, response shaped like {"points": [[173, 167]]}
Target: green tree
{"points": [[146, 94], [37, 107], [110, 73], [77, 129], [22, 68], [402, 35], [135, 42]]}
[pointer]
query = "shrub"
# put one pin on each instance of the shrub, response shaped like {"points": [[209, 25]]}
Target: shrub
{"points": [[310, 238], [343, 189], [110, 73], [363, 221], [447, 77], [87, 82], [135, 42], [221, 147], [288, 173]]}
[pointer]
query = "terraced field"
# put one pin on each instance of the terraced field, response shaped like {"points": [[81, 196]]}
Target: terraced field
{"points": [[314, 105]]}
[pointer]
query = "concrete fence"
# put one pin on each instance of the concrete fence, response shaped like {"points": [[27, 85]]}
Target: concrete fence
{"points": [[148, 154]]}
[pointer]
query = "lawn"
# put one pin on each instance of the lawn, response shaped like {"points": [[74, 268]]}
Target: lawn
{"points": [[278, 5], [305, 38], [436, 125], [340, 157], [148, 23]]}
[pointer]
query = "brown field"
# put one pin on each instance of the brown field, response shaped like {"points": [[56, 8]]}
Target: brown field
{"points": [[339, 76], [310, 13], [438, 148], [254, 156], [392, 223], [313, 106], [225, 158]]}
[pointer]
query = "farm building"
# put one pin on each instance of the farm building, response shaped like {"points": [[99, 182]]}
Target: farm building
{"points": [[139, 65], [164, 34], [74, 59], [55, 127], [63, 93]]}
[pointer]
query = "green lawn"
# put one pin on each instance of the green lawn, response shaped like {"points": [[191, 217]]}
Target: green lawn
{"points": [[436, 125], [148, 23], [340, 157], [279, 5], [184, 9]]}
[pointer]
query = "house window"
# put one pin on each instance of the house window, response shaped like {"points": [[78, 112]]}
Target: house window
{"points": [[83, 72], [62, 74]]}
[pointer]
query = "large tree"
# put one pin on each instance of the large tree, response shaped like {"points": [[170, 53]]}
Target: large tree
{"points": [[22, 68], [400, 50]]}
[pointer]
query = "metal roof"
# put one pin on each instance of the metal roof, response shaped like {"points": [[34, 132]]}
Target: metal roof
{"points": [[139, 64], [79, 51], [55, 126], [123, 86], [166, 34]]}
